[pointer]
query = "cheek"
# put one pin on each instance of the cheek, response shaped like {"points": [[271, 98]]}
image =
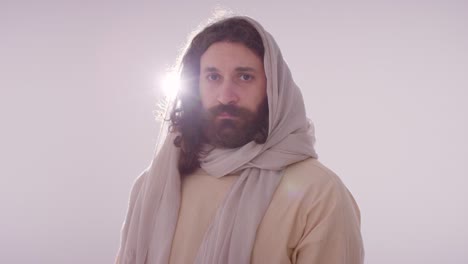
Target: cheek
{"points": [[260, 93], [206, 97], [263, 92]]}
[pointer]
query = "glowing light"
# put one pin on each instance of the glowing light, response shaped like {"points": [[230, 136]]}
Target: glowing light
{"points": [[170, 85]]}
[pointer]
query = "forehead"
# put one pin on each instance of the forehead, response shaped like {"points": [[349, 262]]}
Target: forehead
{"points": [[230, 54]]}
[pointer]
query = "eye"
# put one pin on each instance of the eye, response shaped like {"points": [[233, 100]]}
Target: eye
{"points": [[246, 77], [213, 77]]}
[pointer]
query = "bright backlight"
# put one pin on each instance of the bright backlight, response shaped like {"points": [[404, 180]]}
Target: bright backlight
{"points": [[170, 85]]}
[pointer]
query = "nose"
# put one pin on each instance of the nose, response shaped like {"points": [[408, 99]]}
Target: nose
{"points": [[227, 94]]}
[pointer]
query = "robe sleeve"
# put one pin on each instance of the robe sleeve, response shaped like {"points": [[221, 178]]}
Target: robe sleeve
{"points": [[332, 228]]}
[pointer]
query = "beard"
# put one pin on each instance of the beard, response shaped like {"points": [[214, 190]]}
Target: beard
{"points": [[242, 127]]}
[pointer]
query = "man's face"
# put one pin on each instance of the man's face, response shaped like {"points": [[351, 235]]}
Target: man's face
{"points": [[232, 89]]}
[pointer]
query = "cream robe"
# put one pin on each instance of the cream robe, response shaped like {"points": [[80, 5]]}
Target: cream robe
{"points": [[312, 218]]}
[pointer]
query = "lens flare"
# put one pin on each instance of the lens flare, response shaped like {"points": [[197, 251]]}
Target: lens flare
{"points": [[170, 85]]}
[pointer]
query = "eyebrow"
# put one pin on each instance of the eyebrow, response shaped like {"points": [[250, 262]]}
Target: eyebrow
{"points": [[245, 69], [239, 69]]}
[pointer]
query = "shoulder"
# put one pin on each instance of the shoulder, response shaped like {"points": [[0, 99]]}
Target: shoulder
{"points": [[309, 166], [311, 173], [317, 187], [325, 214], [137, 187]]}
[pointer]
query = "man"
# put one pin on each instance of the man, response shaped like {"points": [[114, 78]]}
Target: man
{"points": [[237, 179]]}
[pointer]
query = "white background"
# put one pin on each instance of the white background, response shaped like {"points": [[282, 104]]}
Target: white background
{"points": [[384, 81]]}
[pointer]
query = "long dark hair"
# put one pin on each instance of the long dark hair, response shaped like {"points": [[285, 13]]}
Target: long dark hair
{"points": [[186, 114]]}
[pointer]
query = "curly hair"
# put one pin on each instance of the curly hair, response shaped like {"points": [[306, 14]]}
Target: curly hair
{"points": [[185, 116]]}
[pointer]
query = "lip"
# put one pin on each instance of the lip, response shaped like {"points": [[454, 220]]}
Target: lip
{"points": [[225, 115]]}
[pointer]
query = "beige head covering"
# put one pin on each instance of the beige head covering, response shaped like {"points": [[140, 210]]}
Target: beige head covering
{"points": [[154, 203]]}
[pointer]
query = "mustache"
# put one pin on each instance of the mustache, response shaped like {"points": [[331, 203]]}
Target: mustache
{"points": [[230, 109]]}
